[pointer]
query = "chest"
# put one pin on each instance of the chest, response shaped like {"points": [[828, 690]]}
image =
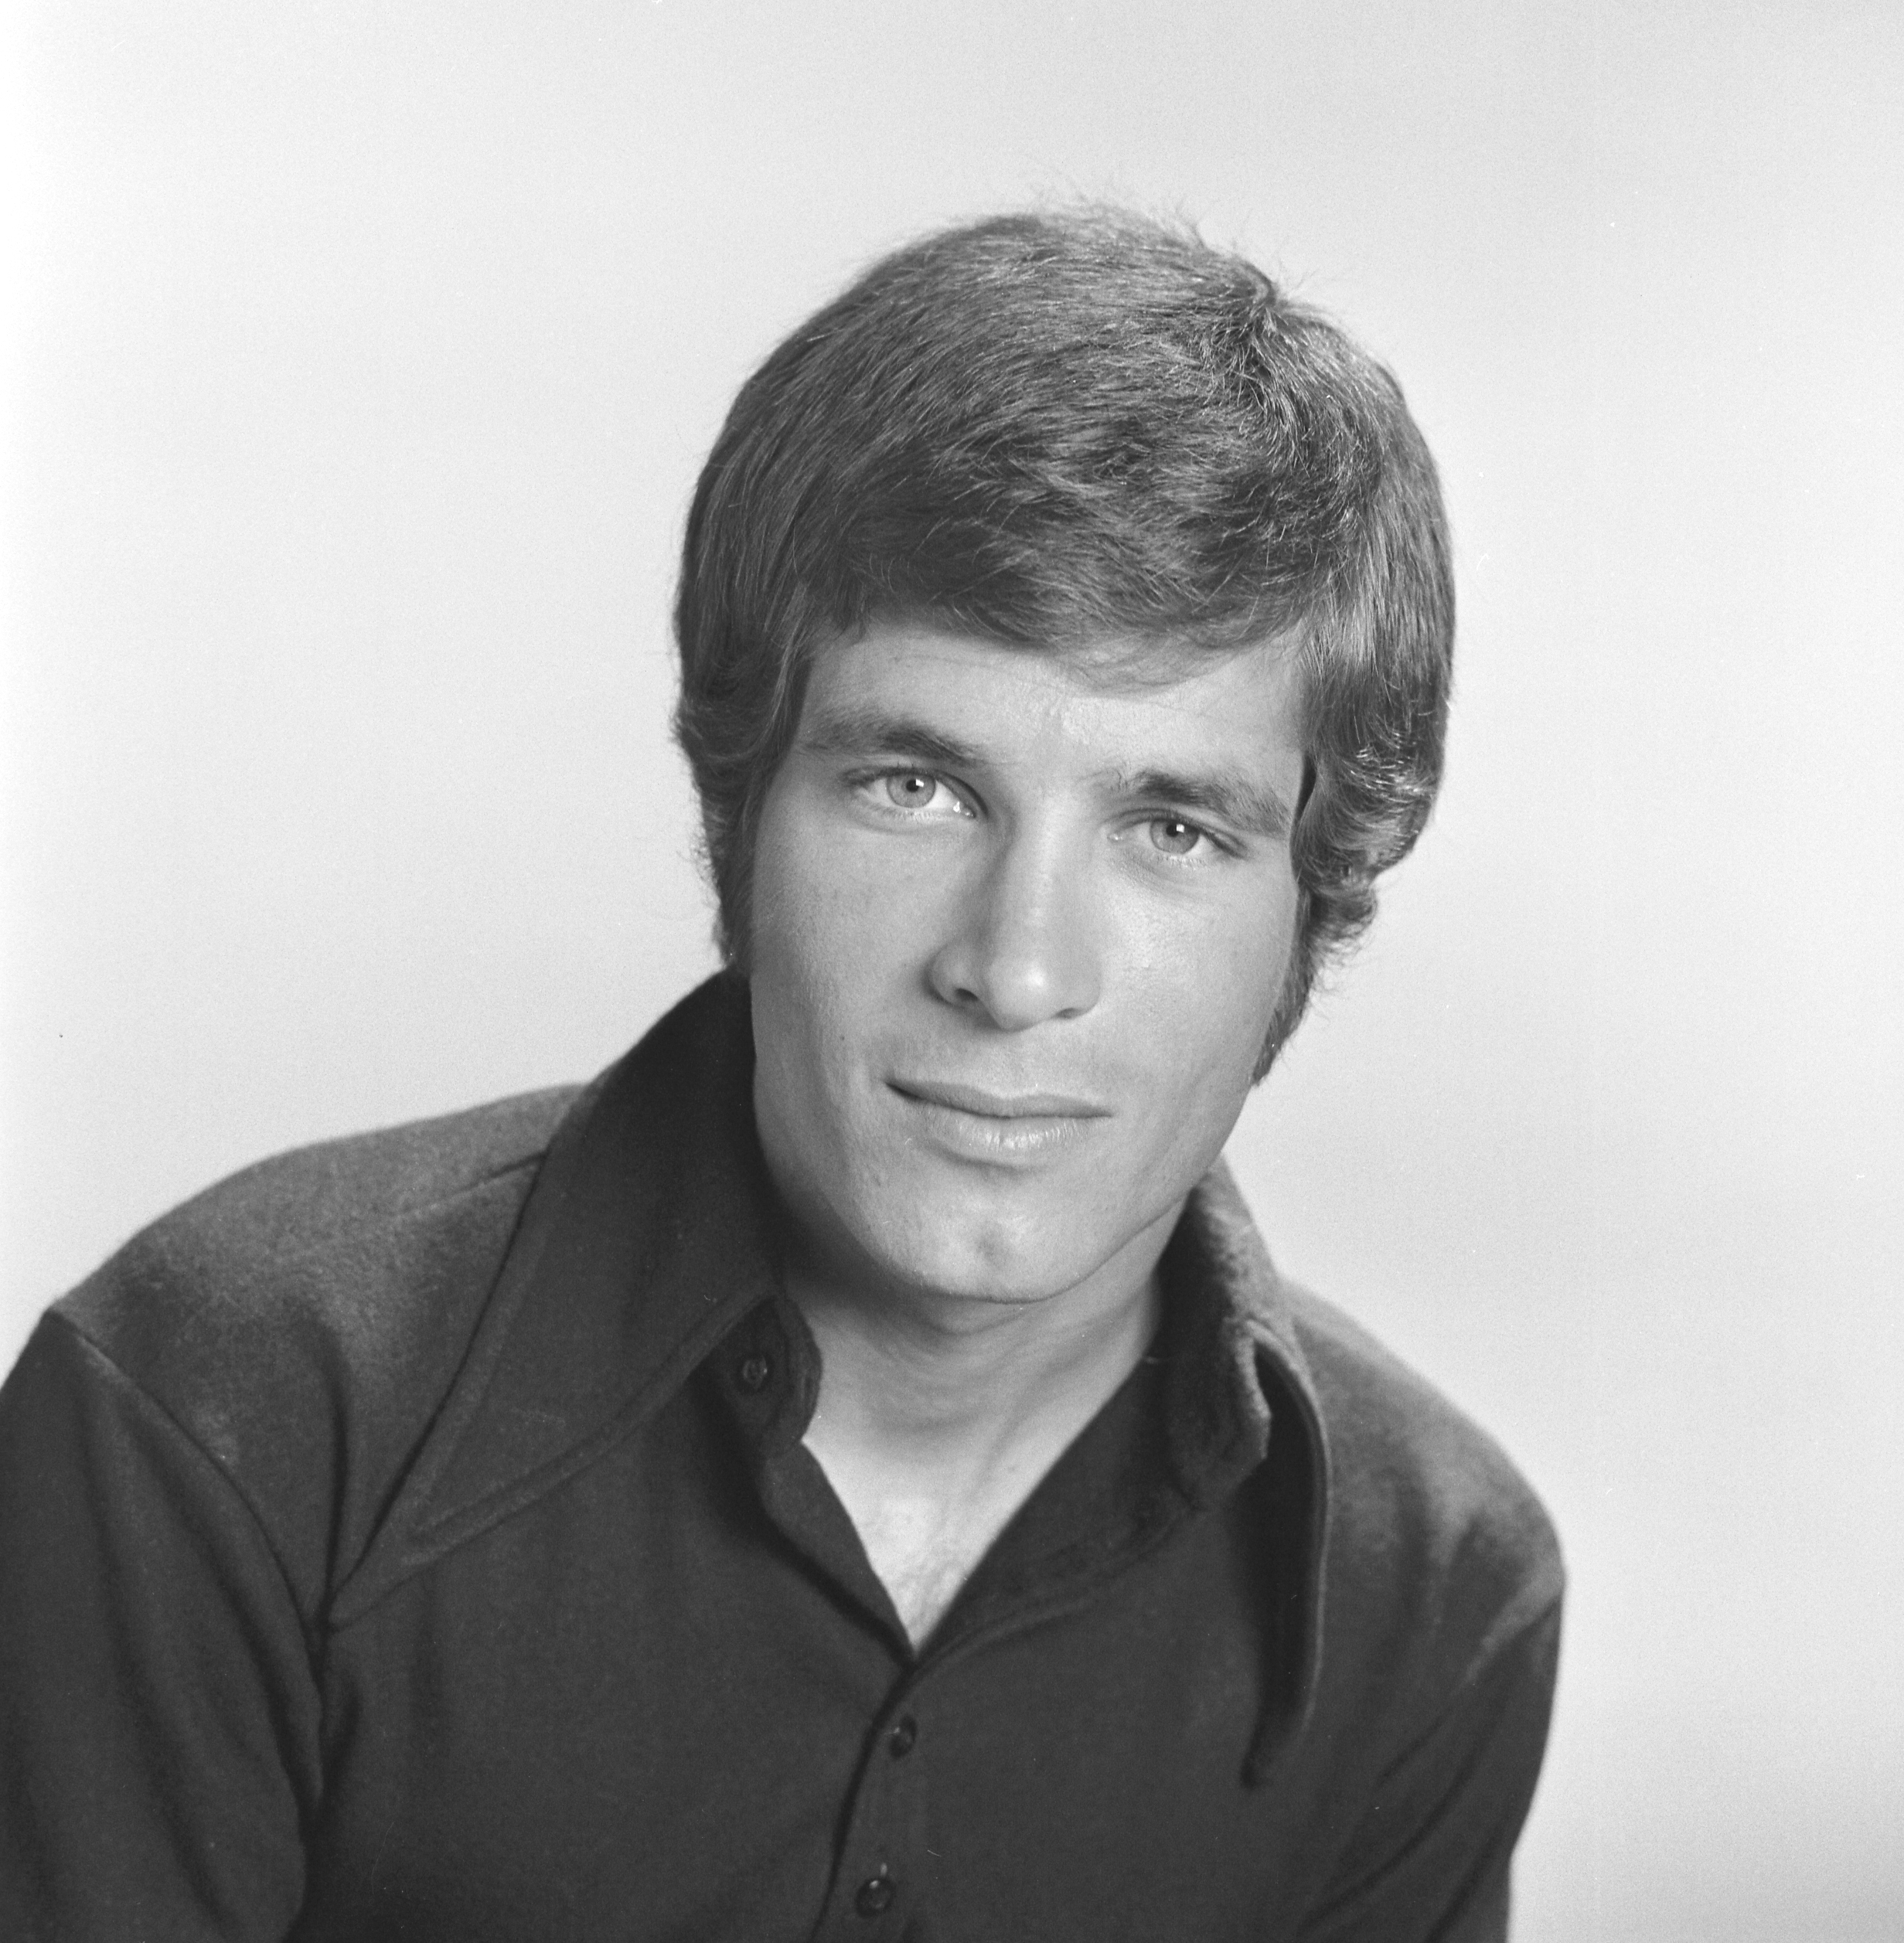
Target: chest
{"points": [[608, 1719], [924, 1547]]}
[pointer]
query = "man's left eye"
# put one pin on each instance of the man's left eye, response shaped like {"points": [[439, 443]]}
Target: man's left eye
{"points": [[1174, 837], [910, 791]]}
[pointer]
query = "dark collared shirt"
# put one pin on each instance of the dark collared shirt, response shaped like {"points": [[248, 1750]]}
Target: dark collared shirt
{"points": [[413, 1538]]}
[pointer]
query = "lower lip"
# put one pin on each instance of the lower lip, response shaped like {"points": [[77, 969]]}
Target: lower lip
{"points": [[984, 1136]]}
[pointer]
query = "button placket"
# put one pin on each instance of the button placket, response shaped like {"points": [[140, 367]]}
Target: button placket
{"points": [[883, 1868], [874, 1896]]}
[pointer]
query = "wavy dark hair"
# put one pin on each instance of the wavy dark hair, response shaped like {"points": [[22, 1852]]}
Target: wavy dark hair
{"points": [[1058, 428]]}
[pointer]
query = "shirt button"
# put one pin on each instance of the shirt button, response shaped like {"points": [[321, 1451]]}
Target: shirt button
{"points": [[905, 1731], [754, 1372], [876, 1895]]}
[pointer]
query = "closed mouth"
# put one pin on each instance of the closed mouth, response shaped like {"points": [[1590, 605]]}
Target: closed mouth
{"points": [[999, 1106]]}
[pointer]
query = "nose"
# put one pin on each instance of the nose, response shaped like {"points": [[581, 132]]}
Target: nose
{"points": [[1024, 948]]}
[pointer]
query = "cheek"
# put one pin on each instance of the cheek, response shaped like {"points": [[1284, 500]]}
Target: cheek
{"points": [[1207, 1015], [1212, 977], [841, 908], [819, 925], [835, 955]]}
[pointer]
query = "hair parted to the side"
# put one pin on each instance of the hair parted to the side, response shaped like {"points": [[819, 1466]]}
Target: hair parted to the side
{"points": [[1061, 428]]}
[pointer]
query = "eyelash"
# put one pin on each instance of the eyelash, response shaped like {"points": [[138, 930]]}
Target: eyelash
{"points": [[865, 784], [868, 781], [1196, 829]]}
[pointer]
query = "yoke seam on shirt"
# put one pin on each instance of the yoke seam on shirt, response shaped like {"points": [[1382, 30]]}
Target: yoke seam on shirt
{"points": [[124, 1378], [449, 1533], [1493, 1652], [398, 1217], [313, 1624]]}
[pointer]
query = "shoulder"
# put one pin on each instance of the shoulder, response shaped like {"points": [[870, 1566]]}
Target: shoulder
{"points": [[1440, 1558], [340, 1239], [301, 1322]]}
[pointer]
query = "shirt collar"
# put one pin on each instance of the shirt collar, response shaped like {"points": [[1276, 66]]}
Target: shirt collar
{"points": [[655, 1182]]}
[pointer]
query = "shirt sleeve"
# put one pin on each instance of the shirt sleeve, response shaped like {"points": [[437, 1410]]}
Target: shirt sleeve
{"points": [[158, 1718], [1429, 1862]]}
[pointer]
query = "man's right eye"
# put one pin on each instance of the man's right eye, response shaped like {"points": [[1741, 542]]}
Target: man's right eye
{"points": [[917, 792]]}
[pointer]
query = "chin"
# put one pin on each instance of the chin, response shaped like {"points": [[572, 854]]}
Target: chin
{"points": [[1010, 1282], [945, 1245]]}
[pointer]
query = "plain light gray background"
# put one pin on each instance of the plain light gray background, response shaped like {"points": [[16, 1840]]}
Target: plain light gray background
{"points": [[368, 356]]}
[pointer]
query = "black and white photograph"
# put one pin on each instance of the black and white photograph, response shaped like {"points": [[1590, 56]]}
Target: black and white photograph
{"points": [[949, 973]]}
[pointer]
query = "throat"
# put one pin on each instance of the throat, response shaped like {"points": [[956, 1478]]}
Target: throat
{"points": [[923, 1559], [932, 1436], [928, 1504]]}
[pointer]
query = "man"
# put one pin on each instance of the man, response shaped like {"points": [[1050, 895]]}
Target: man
{"points": [[853, 1470]]}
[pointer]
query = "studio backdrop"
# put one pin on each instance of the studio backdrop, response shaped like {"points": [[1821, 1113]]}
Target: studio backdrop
{"points": [[368, 357]]}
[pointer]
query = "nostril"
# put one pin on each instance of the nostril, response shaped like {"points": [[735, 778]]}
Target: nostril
{"points": [[1023, 950]]}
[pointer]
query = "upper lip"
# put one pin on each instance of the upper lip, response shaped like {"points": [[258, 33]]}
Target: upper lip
{"points": [[1000, 1106]]}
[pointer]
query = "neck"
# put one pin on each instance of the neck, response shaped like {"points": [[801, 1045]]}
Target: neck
{"points": [[935, 1375], [938, 1415]]}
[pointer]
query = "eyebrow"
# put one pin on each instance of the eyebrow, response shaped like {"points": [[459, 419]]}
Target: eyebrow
{"points": [[1229, 797], [1252, 808], [860, 731]]}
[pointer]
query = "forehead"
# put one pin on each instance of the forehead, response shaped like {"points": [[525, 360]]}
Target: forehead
{"points": [[1129, 701]]}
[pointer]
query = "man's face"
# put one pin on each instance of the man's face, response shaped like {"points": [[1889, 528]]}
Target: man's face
{"points": [[1018, 931]]}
